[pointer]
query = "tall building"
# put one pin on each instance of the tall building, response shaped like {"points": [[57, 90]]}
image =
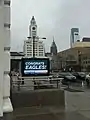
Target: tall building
{"points": [[5, 103], [38, 44], [53, 48], [74, 36]]}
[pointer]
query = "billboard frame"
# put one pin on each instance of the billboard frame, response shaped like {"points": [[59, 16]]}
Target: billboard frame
{"points": [[31, 75]]}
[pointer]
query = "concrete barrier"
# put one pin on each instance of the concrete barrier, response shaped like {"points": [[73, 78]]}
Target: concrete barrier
{"points": [[8, 116], [51, 97]]}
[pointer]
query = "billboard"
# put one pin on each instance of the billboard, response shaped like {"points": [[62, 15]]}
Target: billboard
{"points": [[35, 67]]}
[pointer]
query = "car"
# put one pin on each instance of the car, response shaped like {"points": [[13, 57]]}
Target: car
{"points": [[68, 77], [87, 79], [79, 75]]}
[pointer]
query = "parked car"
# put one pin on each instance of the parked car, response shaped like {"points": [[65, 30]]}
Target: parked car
{"points": [[68, 77], [88, 79], [79, 75]]}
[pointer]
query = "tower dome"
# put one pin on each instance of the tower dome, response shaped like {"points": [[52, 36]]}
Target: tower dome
{"points": [[33, 22], [33, 27]]}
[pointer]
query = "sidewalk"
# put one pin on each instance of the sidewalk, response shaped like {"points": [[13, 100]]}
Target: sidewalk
{"points": [[77, 107], [78, 103]]}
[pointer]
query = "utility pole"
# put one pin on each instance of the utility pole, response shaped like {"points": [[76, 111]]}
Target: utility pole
{"points": [[33, 46], [79, 59]]}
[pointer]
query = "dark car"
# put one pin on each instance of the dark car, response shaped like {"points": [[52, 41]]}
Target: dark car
{"points": [[79, 75], [68, 77]]}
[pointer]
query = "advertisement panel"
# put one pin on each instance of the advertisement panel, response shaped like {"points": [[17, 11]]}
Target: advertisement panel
{"points": [[35, 67]]}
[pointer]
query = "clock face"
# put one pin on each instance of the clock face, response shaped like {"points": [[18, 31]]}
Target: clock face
{"points": [[33, 28]]}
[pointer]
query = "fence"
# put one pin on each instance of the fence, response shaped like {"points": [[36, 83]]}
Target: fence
{"points": [[32, 83]]}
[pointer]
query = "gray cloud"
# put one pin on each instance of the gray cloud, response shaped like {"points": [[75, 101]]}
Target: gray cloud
{"points": [[54, 18]]}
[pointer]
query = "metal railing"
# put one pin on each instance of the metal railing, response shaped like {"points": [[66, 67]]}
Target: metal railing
{"points": [[32, 83]]}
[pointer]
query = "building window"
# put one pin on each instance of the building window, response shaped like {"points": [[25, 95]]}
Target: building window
{"points": [[6, 25], [29, 54], [40, 42], [28, 51], [7, 2], [40, 54], [6, 48], [28, 42], [40, 50], [28, 47]]}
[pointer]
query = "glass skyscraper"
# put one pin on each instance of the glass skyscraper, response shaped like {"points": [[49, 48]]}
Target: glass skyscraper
{"points": [[74, 36]]}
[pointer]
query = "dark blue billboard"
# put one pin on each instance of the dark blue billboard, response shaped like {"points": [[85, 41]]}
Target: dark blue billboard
{"points": [[35, 67]]}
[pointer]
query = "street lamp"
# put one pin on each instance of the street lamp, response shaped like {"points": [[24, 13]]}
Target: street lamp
{"points": [[79, 59], [34, 43]]}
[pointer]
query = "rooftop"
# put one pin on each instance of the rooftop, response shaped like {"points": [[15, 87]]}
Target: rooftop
{"points": [[16, 53]]}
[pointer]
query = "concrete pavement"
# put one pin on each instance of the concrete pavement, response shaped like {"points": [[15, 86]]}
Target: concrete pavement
{"points": [[77, 107], [78, 103]]}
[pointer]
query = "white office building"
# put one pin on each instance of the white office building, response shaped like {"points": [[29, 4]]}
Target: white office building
{"points": [[5, 103], [38, 47]]}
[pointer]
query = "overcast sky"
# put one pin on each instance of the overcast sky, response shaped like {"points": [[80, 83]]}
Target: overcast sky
{"points": [[53, 17]]}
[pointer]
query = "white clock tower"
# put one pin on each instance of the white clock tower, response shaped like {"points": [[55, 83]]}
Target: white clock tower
{"points": [[33, 43], [33, 28]]}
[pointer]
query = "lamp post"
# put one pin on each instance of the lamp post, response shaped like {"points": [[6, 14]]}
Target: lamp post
{"points": [[79, 59], [34, 43], [33, 38]]}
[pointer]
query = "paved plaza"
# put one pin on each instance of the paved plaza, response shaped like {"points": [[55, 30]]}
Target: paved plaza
{"points": [[77, 107]]}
